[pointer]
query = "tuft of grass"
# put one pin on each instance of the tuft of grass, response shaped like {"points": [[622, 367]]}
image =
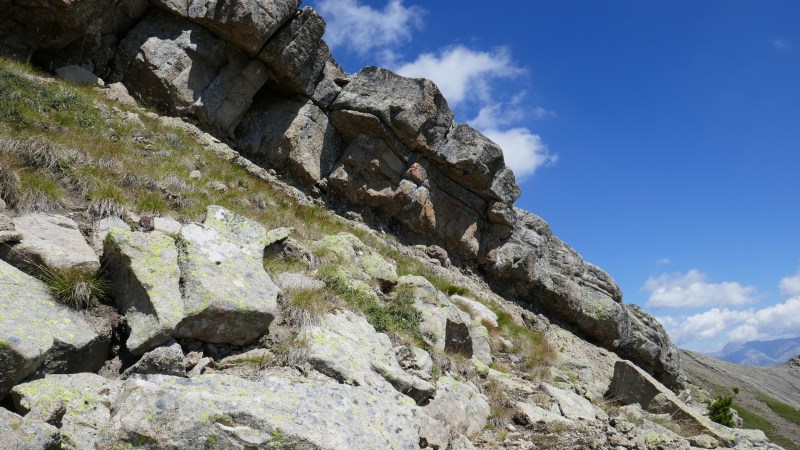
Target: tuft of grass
{"points": [[74, 287], [38, 193], [37, 152], [152, 202], [502, 407], [276, 264], [10, 185], [305, 306], [106, 201], [532, 346]]}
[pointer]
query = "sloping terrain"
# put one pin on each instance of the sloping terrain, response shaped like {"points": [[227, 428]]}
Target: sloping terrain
{"points": [[763, 392]]}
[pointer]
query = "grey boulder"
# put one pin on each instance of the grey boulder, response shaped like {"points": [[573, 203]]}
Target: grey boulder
{"points": [[24, 433], [459, 405], [145, 282], [37, 334], [228, 296], [51, 243], [161, 361]]}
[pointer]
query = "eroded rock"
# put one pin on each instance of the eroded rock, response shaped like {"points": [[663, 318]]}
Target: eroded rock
{"points": [[460, 406]]}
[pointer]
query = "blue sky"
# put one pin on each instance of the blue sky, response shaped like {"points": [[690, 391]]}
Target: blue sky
{"points": [[658, 138]]}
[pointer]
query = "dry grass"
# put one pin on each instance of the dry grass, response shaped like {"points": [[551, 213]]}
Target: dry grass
{"points": [[306, 306]]}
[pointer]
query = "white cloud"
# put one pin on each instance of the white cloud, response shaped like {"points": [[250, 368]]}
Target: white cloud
{"points": [[692, 290], [782, 44], [707, 325], [790, 286], [773, 322], [462, 73], [664, 262], [362, 28], [524, 152]]}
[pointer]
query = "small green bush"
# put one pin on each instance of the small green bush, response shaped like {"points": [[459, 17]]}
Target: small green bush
{"points": [[720, 411]]}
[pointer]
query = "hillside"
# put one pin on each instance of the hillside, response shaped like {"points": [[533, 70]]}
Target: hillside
{"points": [[760, 353], [228, 242], [766, 393]]}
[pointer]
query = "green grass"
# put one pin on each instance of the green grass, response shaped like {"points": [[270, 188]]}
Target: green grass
{"points": [[74, 287], [38, 192], [305, 306], [784, 410], [395, 315], [534, 348], [753, 420]]}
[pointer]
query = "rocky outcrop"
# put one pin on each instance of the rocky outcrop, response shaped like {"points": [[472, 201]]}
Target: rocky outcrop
{"points": [[260, 73], [460, 406], [24, 433], [39, 335]]}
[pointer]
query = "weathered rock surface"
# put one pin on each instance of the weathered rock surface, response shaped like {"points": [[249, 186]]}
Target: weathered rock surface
{"points": [[81, 403], [161, 361], [571, 405], [356, 259], [228, 412], [246, 23], [228, 296], [346, 347], [460, 406], [536, 415], [38, 334], [7, 231], [80, 76], [190, 71], [290, 136], [51, 242], [538, 268], [301, 62], [145, 283], [102, 227], [23, 433]]}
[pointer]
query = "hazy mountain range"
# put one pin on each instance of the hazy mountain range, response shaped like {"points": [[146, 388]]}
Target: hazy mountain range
{"points": [[760, 353]]}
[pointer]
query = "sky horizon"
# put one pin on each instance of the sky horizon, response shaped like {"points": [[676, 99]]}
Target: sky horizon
{"points": [[655, 137]]}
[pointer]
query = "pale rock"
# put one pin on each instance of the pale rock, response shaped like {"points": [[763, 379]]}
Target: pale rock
{"points": [[24, 433], [37, 334], [167, 225], [459, 405], [195, 175], [346, 347], [101, 229], [7, 231], [228, 296], [414, 358], [476, 310], [80, 76], [84, 401], [703, 441], [117, 92], [51, 242], [534, 415], [356, 258], [160, 361], [145, 283], [572, 405]]}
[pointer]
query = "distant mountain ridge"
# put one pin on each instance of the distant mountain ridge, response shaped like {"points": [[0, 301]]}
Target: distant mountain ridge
{"points": [[760, 353]]}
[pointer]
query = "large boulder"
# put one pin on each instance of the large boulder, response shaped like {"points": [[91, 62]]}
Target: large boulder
{"points": [[81, 402], [293, 137], [184, 68], [248, 24], [346, 347], [37, 334], [632, 385], [571, 405], [535, 267], [228, 296], [413, 108], [145, 283], [459, 405], [51, 243]]}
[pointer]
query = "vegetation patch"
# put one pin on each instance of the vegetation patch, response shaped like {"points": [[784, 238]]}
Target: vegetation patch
{"points": [[75, 288], [784, 410], [305, 306], [532, 346], [752, 420]]}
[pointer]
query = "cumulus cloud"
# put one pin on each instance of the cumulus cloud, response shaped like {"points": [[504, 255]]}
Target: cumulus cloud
{"points": [[790, 286], [524, 152], [707, 325], [692, 290], [362, 28], [462, 73]]}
